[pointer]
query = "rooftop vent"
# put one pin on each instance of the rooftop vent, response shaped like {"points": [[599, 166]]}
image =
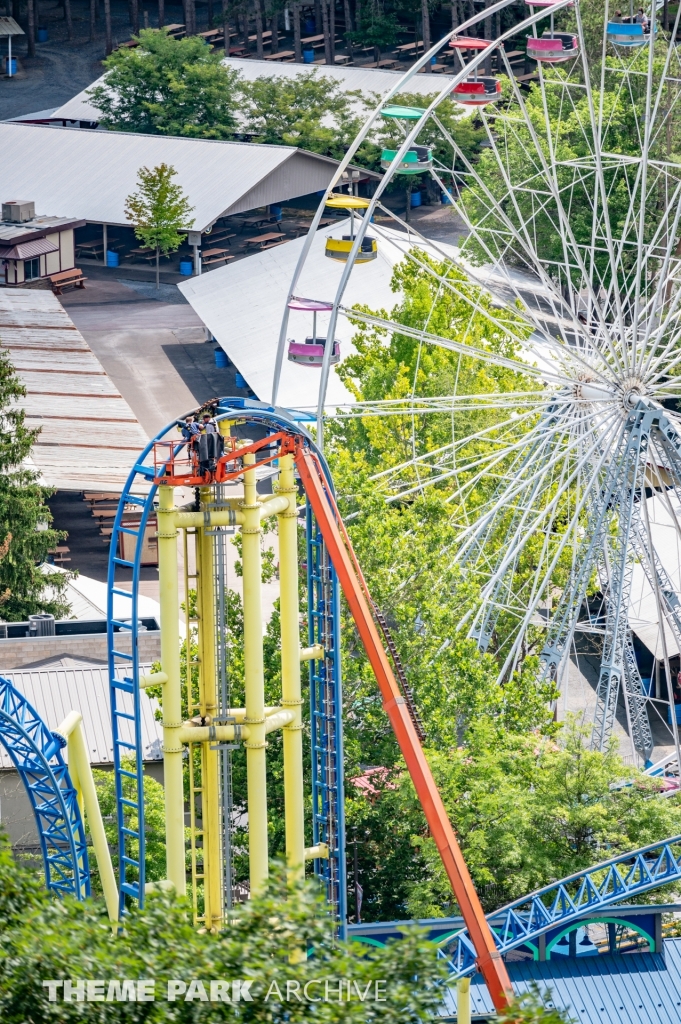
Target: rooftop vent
{"points": [[18, 211]]}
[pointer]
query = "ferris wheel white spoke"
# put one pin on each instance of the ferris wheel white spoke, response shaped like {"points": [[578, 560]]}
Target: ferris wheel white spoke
{"points": [[514, 489], [585, 499]]}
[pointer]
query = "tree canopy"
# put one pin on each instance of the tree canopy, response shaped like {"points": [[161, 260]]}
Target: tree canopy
{"points": [[26, 534], [167, 86]]}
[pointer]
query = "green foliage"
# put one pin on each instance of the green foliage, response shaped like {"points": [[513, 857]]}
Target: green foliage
{"points": [[532, 1008], [52, 940], [308, 111], [376, 27], [25, 518], [167, 86], [529, 810], [159, 210], [154, 822]]}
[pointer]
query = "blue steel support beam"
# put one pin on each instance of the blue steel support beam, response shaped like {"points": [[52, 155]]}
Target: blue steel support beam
{"points": [[36, 754], [621, 878]]}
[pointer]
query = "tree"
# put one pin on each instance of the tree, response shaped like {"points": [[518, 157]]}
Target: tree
{"points": [[42, 939], [374, 27], [26, 536], [167, 86], [159, 210], [307, 111]]}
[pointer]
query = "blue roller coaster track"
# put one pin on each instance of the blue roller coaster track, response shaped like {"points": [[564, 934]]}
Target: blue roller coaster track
{"points": [[325, 680], [36, 754], [621, 878]]}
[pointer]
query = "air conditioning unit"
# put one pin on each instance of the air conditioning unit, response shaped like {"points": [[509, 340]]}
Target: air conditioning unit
{"points": [[41, 625], [18, 211]]}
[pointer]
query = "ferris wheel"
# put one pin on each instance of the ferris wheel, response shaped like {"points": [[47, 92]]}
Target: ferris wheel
{"points": [[565, 485]]}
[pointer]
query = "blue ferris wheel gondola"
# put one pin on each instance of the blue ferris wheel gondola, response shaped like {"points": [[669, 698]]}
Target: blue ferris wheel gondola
{"points": [[628, 33]]}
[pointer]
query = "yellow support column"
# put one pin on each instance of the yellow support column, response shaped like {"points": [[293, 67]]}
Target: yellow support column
{"points": [[290, 672], [463, 1001], [254, 682], [210, 796], [172, 700]]}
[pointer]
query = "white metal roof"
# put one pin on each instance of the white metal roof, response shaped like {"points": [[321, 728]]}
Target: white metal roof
{"points": [[88, 599], [368, 81], [243, 304], [89, 435], [9, 27], [91, 173], [643, 612], [54, 692]]}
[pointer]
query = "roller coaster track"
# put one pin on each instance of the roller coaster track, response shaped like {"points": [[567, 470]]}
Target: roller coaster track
{"points": [[325, 684], [621, 878], [36, 755]]}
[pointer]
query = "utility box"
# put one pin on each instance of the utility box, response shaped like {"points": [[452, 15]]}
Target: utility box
{"points": [[18, 211], [149, 554]]}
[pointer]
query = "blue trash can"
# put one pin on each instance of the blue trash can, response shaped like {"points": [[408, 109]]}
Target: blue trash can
{"points": [[42, 35], [308, 56], [186, 268], [310, 26], [445, 200], [415, 199], [10, 66], [239, 381], [677, 708], [111, 258], [221, 359], [277, 211]]}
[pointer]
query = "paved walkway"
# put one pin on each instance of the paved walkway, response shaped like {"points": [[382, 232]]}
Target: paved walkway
{"points": [[154, 350]]}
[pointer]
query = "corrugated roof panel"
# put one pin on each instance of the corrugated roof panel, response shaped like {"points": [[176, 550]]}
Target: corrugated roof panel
{"points": [[46, 382], [89, 436], [57, 691], [33, 337], [635, 988], [89, 174], [105, 407]]}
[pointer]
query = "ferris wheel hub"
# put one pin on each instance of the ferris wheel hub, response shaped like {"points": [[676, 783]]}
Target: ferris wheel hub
{"points": [[632, 391]]}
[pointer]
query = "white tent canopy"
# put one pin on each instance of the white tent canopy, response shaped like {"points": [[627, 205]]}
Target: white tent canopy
{"points": [[242, 305]]}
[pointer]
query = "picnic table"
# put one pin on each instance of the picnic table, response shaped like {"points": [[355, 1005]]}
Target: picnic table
{"points": [[262, 240], [143, 252], [313, 39], [221, 235], [212, 33], [282, 55], [209, 256], [388, 63], [265, 36], [408, 47], [174, 30], [238, 51], [256, 222], [93, 247]]}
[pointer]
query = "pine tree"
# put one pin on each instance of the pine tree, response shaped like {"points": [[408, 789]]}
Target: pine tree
{"points": [[25, 517]]}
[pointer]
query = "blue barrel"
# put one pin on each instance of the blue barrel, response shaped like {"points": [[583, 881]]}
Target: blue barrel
{"points": [[310, 25], [11, 66], [277, 211], [42, 35], [445, 200], [308, 56], [111, 258], [221, 359], [186, 268], [239, 381], [416, 199]]}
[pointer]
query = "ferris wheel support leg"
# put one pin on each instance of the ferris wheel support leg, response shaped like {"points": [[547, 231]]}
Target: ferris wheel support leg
{"points": [[254, 677], [290, 673], [489, 960], [172, 700]]}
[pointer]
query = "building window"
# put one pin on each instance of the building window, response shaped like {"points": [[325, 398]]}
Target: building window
{"points": [[32, 269]]}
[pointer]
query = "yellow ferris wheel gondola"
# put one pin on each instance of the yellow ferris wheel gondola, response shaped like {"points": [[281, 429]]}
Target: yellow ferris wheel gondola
{"points": [[340, 248]]}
